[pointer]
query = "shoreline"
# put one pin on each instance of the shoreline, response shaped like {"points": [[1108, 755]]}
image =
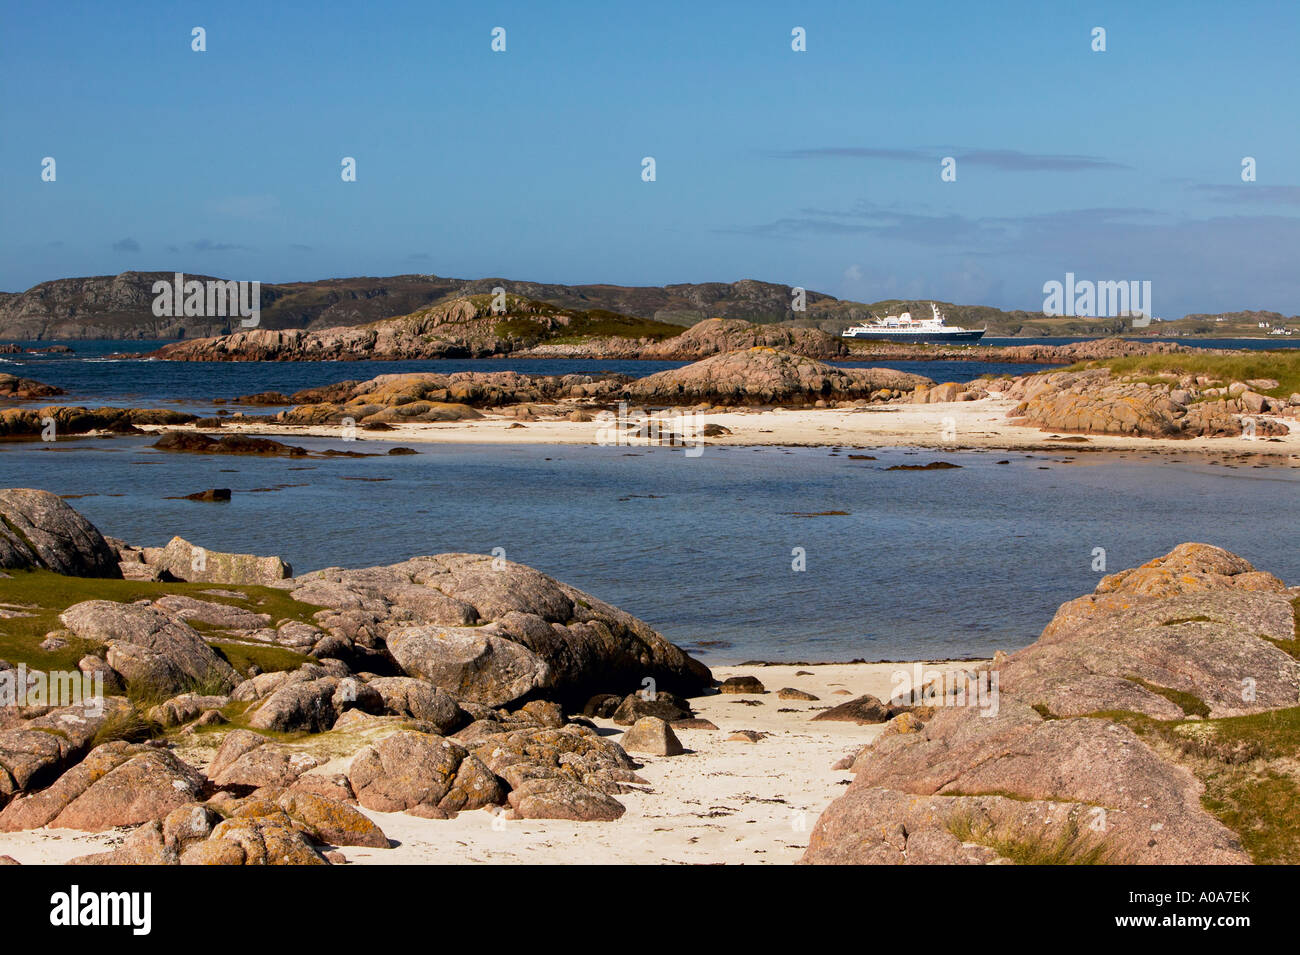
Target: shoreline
{"points": [[721, 802], [979, 425]]}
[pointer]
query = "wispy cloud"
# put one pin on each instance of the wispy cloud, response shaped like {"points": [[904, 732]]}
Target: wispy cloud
{"points": [[207, 245], [987, 234], [1007, 160], [1250, 193], [126, 245]]}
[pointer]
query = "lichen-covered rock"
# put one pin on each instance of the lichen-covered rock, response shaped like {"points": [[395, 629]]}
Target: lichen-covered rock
{"points": [[329, 821], [1151, 812], [118, 784], [304, 706], [34, 751], [253, 840], [764, 376], [422, 774], [186, 561], [149, 648], [559, 798], [147, 845], [420, 700], [184, 708], [39, 531], [472, 662], [665, 706], [494, 632]]}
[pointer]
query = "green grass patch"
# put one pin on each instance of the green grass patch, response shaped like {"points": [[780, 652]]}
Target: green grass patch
{"points": [[129, 725], [1282, 365], [1072, 845], [1247, 765], [45, 595], [267, 658], [1190, 704], [1261, 810]]}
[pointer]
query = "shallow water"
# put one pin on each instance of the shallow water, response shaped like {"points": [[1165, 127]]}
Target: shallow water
{"points": [[924, 564]]}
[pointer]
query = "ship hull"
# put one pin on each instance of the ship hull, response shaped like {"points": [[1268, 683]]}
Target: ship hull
{"points": [[918, 338]]}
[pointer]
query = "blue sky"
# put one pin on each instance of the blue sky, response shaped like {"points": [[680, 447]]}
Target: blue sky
{"points": [[819, 168]]}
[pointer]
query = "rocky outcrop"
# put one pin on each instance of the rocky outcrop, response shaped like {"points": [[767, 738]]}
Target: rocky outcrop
{"points": [[765, 376], [227, 444], [1049, 768], [1096, 401], [1198, 621], [39, 531], [153, 651], [182, 560], [472, 326], [709, 337], [492, 631], [25, 389], [63, 421], [391, 399], [33, 752], [423, 775], [118, 784]]}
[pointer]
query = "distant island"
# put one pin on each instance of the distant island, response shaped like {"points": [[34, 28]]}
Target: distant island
{"points": [[121, 307]]}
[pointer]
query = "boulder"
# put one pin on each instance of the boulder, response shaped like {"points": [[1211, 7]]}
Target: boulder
{"points": [[422, 774], [741, 684], [652, 736], [862, 709], [560, 798], [332, 822], [665, 706], [39, 531], [149, 648], [494, 632], [244, 764], [765, 376], [790, 693], [118, 784], [186, 561], [253, 840], [307, 706], [479, 664]]}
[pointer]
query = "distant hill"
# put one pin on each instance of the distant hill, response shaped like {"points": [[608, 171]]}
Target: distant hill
{"points": [[121, 307]]}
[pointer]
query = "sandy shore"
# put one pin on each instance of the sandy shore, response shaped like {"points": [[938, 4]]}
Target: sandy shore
{"points": [[949, 426], [721, 802]]}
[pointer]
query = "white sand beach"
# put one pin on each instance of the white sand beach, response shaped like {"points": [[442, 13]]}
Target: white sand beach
{"points": [[941, 426], [721, 802]]}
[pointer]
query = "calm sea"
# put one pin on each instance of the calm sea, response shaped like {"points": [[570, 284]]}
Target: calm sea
{"points": [[922, 564]]}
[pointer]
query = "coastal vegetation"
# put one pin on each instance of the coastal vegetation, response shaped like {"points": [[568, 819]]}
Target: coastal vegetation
{"points": [[37, 597], [1281, 366]]}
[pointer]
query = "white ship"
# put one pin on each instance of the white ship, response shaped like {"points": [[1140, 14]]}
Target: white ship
{"points": [[905, 328]]}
